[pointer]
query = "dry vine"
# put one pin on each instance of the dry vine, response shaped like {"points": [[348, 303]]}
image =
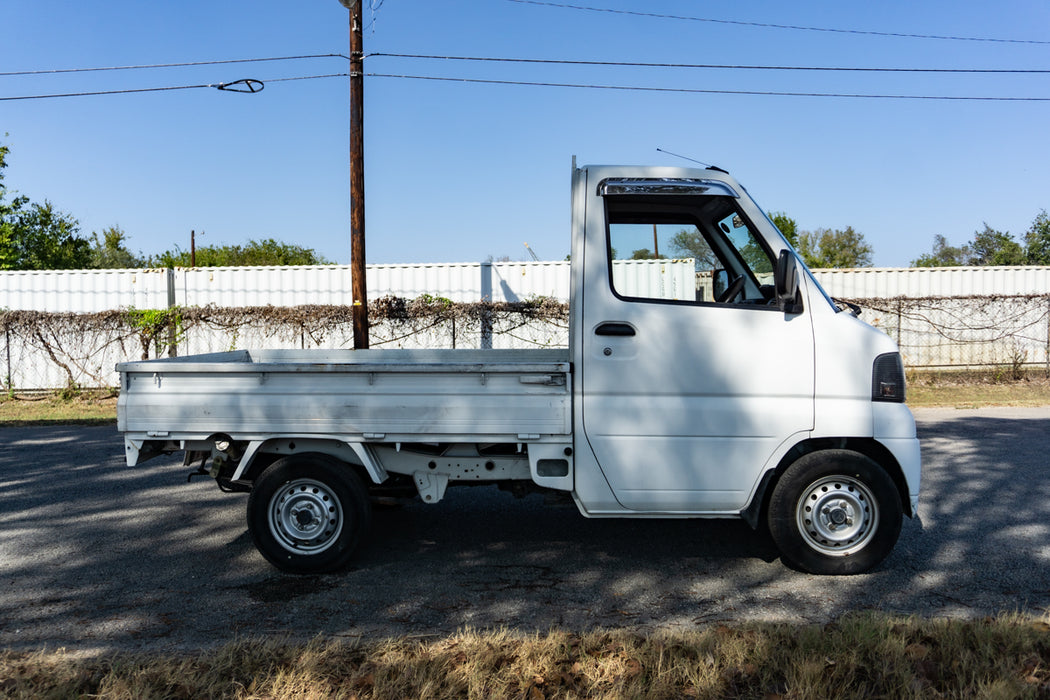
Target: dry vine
{"points": [[79, 344], [968, 330]]}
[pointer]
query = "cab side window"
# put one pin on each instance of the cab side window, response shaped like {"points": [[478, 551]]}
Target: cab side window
{"points": [[703, 251]]}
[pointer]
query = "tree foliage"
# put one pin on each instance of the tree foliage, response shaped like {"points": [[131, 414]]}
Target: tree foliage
{"points": [[787, 226], [690, 243], [991, 247], [943, 255], [646, 254], [268, 251], [111, 251], [1037, 241], [8, 210], [37, 236], [834, 248]]}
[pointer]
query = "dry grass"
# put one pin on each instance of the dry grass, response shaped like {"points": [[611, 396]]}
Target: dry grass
{"points": [[973, 389], [85, 409], [862, 655]]}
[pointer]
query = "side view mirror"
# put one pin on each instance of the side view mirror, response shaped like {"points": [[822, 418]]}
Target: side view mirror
{"points": [[785, 283]]}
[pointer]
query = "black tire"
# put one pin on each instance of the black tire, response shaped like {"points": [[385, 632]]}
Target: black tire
{"points": [[834, 512], [307, 513]]}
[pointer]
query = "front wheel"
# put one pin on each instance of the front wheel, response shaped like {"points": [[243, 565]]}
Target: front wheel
{"points": [[835, 512], [307, 513]]}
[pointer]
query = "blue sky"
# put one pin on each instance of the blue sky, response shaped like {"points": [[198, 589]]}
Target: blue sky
{"points": [[457, 172]]}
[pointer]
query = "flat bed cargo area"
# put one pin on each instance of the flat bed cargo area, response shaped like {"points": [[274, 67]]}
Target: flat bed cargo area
{"points": [[375, 395]]}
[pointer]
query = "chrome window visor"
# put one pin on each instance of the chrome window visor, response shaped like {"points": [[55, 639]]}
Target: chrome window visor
{"points": [[664, 185]]}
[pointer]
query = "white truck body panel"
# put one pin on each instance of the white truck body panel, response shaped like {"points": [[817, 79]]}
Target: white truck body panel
{"points": [[387, 395]]}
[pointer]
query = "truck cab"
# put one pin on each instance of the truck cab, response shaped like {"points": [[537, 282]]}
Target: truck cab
{"points": [[698, 400]]}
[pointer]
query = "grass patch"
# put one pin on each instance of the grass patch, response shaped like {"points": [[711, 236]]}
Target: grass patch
{"points": [[977, 388], [863, 655], [82, 408]]}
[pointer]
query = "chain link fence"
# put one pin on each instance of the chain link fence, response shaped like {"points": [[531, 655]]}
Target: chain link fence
{"points": [[48, 350], [966, 332]]}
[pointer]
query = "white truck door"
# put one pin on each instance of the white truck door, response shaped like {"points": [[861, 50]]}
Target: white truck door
{"points": [[692, 376]]}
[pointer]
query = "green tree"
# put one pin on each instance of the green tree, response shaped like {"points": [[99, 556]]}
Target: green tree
{"points": [[1037, 241], [787, 226], [943, 255], [825, 248], [645, 254], [991, 247], [37, 236], [8, 213], [690, 243], [265, 252], [47, 239], [111, 251]]}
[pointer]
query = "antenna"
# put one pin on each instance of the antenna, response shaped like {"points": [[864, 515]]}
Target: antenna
{"points": [[691, 160]]}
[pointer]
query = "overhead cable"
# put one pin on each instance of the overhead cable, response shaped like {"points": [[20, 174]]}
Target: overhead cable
{"points": [[765, 93], [174, 65], [247, 85], [769, 25], [627, 88], [720, 66]]}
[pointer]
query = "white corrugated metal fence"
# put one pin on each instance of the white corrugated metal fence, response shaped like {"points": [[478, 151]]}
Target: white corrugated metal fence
{"points": [[931, 312]]}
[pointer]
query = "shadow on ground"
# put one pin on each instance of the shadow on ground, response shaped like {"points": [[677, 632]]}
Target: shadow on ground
{"points": [[97, 556]]}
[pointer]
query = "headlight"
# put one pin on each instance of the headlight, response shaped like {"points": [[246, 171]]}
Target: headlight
{"points": [[887, 378]]}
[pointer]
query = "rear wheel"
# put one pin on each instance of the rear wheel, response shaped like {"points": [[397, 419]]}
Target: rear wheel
{"points": [[307, 513], [835, 512]]}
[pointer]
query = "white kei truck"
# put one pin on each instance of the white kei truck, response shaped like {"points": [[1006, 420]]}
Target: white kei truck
{"points": [[756, 397]]}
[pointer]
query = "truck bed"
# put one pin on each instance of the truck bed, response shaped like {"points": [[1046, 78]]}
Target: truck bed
{"points": [[377, 395]]}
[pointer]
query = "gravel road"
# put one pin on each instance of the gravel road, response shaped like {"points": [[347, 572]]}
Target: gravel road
{"points": [[95, 556]]}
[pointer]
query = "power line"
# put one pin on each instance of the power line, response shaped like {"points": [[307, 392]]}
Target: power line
{"points": [[628, 88], [635, 64], [763, 93], [249, 85], [768, 25], [174, 65]]}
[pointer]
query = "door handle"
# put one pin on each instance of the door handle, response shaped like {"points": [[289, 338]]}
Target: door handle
{"points": [[616, 329]]}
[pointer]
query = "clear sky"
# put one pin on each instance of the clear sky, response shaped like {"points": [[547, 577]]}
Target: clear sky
{"points": [[457, 172]]}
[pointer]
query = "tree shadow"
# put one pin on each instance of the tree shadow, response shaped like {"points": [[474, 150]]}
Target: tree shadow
{"points": [[97, 556]]}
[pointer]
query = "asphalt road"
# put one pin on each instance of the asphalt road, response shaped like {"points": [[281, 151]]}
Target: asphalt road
{"points": [[95, 556]]}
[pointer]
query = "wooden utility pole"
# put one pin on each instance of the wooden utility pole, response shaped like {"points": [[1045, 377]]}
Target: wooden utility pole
{"points": [[358, 285]]}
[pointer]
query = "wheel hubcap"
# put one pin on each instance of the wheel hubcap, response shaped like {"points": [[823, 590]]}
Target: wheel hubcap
{"points": [[305, 516], [837, 515]]}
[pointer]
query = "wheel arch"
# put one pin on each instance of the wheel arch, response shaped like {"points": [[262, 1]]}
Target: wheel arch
{"points": [[355, 455], [755, 512]]}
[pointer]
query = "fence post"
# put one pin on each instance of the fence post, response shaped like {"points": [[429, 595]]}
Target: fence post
{"points": [[173, 351], [1047, 352], [7, 346], [486, 295], [900, 306]]}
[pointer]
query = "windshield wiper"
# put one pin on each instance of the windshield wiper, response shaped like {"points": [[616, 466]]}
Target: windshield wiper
{"points": [[843, 305]]}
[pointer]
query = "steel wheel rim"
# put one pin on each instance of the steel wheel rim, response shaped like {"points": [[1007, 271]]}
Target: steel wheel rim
{"points": [[305, 516], [837, 515]]}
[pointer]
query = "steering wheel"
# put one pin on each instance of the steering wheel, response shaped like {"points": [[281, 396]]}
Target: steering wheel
{"points": [[732, 291]]}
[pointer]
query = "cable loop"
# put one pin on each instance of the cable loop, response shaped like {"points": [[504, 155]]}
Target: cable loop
{"points": [[243, 85]]}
